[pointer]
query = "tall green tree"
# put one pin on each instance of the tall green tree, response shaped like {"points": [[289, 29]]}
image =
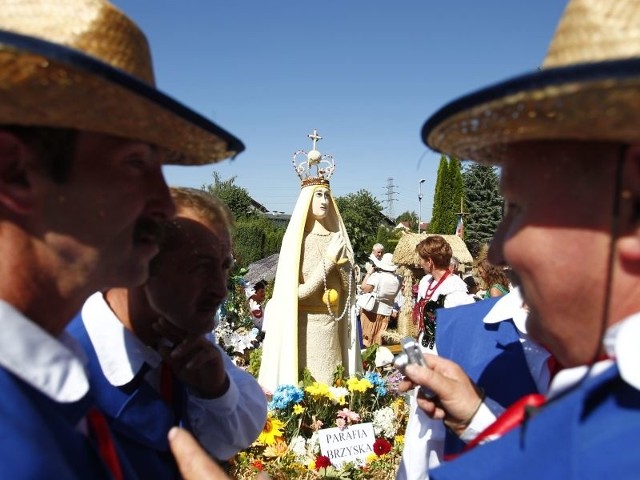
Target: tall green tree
{"points": [[483, 205], [456, 189], [236, 198], [439, 197], [362, 215], [446, 201]]}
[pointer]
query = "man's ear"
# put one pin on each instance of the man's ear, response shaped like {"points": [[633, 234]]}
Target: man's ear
{"points": [[15, 190], [629, 218]]}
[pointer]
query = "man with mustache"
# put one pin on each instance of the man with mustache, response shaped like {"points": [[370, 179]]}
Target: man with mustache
{"points": [[138, 338], [83, 136], [566, 138]]}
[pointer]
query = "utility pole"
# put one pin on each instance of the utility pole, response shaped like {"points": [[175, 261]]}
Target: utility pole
{"points": [[420, 202], [390, 197]]}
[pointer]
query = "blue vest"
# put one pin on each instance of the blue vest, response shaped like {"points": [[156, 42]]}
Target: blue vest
{"points": [[591, 432], [138, 415], [491, 354], [38, 436]]}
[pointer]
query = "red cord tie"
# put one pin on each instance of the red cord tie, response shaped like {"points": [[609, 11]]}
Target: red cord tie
{"points": [[99, 431]]}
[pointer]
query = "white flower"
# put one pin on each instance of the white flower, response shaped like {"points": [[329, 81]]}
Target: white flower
{"points": [[313, 444], [298, 446], [384, 422], [338, 394]]}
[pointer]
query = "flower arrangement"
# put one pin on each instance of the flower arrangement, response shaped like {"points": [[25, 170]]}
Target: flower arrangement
{"points": [[234, 330], [289, 445]]}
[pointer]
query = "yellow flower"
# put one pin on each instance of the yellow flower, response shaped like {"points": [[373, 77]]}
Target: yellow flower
{"points": [[398, 440], [298, 409], [317, 389], [358, 385], [272, 429], [278, 449], [398, 405], [370, 458], [311, 465]]}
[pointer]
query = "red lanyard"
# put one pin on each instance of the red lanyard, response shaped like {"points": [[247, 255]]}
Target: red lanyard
{"points": [[431, 290], [100, 432]]}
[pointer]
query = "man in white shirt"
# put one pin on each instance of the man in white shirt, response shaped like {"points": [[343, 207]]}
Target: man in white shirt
{"points": [[130, 333], [83, 136], [560, 134]]}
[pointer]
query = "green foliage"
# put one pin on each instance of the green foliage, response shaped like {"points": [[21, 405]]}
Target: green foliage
{"points": [[483, 203], [448, 193], [456, 187], [272, 241], [439, 197], [388, 237], [411, 217], [255, 359], [248, 243], [236, 198], [362, 215]]}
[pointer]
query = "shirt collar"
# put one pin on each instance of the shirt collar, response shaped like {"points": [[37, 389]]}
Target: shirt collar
{"points": [[120, 353], [509, 307], [620, 343], [45, 363]]}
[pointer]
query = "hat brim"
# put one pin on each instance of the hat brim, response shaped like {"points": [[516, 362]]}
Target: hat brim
{"points": [[596, 101], [383, 266], [46, 84]]}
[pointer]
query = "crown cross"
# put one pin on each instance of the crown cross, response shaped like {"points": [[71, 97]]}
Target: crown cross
{"points": [[324, 165]]}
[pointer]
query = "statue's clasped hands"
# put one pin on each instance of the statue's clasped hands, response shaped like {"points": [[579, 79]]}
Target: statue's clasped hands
{"points": [[337, 249]]}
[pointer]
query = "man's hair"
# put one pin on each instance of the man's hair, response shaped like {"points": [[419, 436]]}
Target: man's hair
{"points": [[437, 249], [378, 246], [54, 146], [454, 263], [206, 206]]}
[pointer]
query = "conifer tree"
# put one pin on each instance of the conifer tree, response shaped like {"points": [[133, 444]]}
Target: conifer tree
{"points": [[456, 189], [439, 197], [483, 205], [446, 201]]}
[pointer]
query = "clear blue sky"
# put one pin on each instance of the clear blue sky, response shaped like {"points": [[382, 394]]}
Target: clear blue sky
{"points": [[365, 74]]}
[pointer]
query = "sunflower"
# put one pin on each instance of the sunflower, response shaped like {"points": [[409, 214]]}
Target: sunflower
{"points": [[271, 431]]}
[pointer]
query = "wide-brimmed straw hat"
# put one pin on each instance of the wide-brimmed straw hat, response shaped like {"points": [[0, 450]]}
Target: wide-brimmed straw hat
{"points": [[587, 89], [82, 64], [385, 263]]}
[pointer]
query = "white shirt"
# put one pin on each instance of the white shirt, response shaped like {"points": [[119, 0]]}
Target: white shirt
{"points": [[386, 285], [453, 287], [224, 425], [54, 367]]}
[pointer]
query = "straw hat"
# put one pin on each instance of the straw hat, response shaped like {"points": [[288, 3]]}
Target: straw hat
{"points": [[385, 263], [82, 64], [588, 89]]}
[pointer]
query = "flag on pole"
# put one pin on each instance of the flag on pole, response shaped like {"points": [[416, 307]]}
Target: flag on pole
{"points": [[460, 227]]}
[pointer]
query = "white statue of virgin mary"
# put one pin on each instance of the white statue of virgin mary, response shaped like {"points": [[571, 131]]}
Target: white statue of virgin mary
{"points": [[309, 319]]}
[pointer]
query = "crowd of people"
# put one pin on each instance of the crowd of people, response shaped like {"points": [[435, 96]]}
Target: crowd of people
{"points": [[110, 280]]}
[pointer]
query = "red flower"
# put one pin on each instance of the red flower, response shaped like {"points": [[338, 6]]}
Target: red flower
{"points": [[322, 462], [258, 465], [381, 446]]}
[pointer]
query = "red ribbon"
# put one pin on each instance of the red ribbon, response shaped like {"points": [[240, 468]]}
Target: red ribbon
{"points": [[99, 430]]}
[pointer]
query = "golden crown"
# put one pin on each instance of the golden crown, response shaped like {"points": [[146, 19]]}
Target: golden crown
{"points": [[324, 164]]}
